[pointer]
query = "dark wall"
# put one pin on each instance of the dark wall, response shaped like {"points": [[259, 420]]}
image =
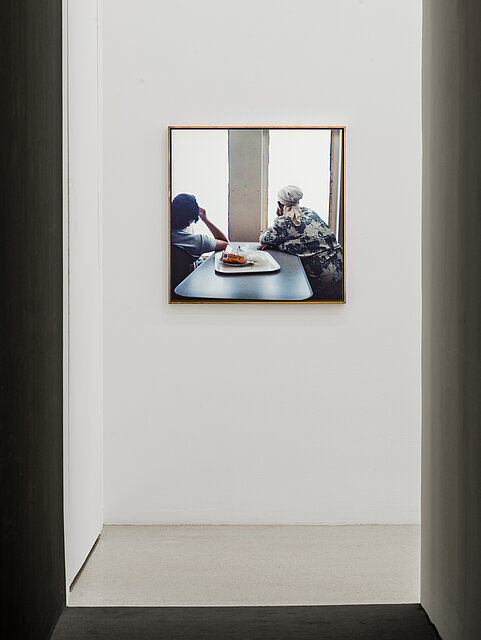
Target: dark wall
{"points": [[451, 481], [33, 592]]}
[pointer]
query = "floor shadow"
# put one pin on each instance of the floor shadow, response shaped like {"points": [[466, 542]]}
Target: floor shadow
{"points": [[349, 622]]}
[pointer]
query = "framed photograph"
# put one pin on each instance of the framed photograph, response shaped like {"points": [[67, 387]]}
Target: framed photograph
{"points": [[257, 214]]}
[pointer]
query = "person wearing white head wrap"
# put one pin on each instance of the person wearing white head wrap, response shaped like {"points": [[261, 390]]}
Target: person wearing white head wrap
{"points": [[302, 232], [289, 197]]}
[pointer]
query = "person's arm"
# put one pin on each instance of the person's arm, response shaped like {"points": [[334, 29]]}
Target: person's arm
{"points": [[276, 234], [221, 239]]}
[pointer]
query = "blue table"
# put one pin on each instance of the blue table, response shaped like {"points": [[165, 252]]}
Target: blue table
{"points": [[290, 283]]}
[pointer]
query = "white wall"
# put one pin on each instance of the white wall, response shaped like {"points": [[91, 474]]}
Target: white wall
{"points": [[83, 286], [323, 425]]}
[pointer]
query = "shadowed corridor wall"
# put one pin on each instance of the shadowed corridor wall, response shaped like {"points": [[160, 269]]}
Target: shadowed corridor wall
{"points": [[451, 480], [33, 591]]}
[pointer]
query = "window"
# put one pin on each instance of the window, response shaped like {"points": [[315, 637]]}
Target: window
{"points": [[201, 168], [302, 158], [236, 173]]}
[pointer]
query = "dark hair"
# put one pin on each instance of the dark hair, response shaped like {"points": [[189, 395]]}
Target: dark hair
{"points": [[184, 211]]}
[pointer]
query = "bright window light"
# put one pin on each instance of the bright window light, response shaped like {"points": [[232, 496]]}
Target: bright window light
{"points": [[300, 158], [200, 167]]}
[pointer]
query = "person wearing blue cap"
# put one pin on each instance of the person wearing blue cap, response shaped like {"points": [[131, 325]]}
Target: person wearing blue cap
{"points": [[184, 212]]}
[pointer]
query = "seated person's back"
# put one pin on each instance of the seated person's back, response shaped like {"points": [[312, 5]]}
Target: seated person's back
{"points": [[184, 212]]}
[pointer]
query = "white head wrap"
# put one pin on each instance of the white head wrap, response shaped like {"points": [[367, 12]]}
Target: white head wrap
{"points": [[289, 196]]}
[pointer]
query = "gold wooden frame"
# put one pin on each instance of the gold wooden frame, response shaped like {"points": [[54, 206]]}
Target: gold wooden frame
{"points": [[226, 127]]}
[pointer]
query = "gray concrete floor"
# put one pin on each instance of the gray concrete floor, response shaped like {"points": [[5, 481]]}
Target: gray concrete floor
{"points": [[221, 565]]}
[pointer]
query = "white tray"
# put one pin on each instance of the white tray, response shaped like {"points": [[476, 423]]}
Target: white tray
{"points": [[264, 263]]}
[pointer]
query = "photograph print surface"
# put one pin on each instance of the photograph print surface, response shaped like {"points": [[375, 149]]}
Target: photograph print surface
{"points": [[257, 214]]}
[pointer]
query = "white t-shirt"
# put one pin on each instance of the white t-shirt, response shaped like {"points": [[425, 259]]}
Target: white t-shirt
{"points": [[194, 243]]}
